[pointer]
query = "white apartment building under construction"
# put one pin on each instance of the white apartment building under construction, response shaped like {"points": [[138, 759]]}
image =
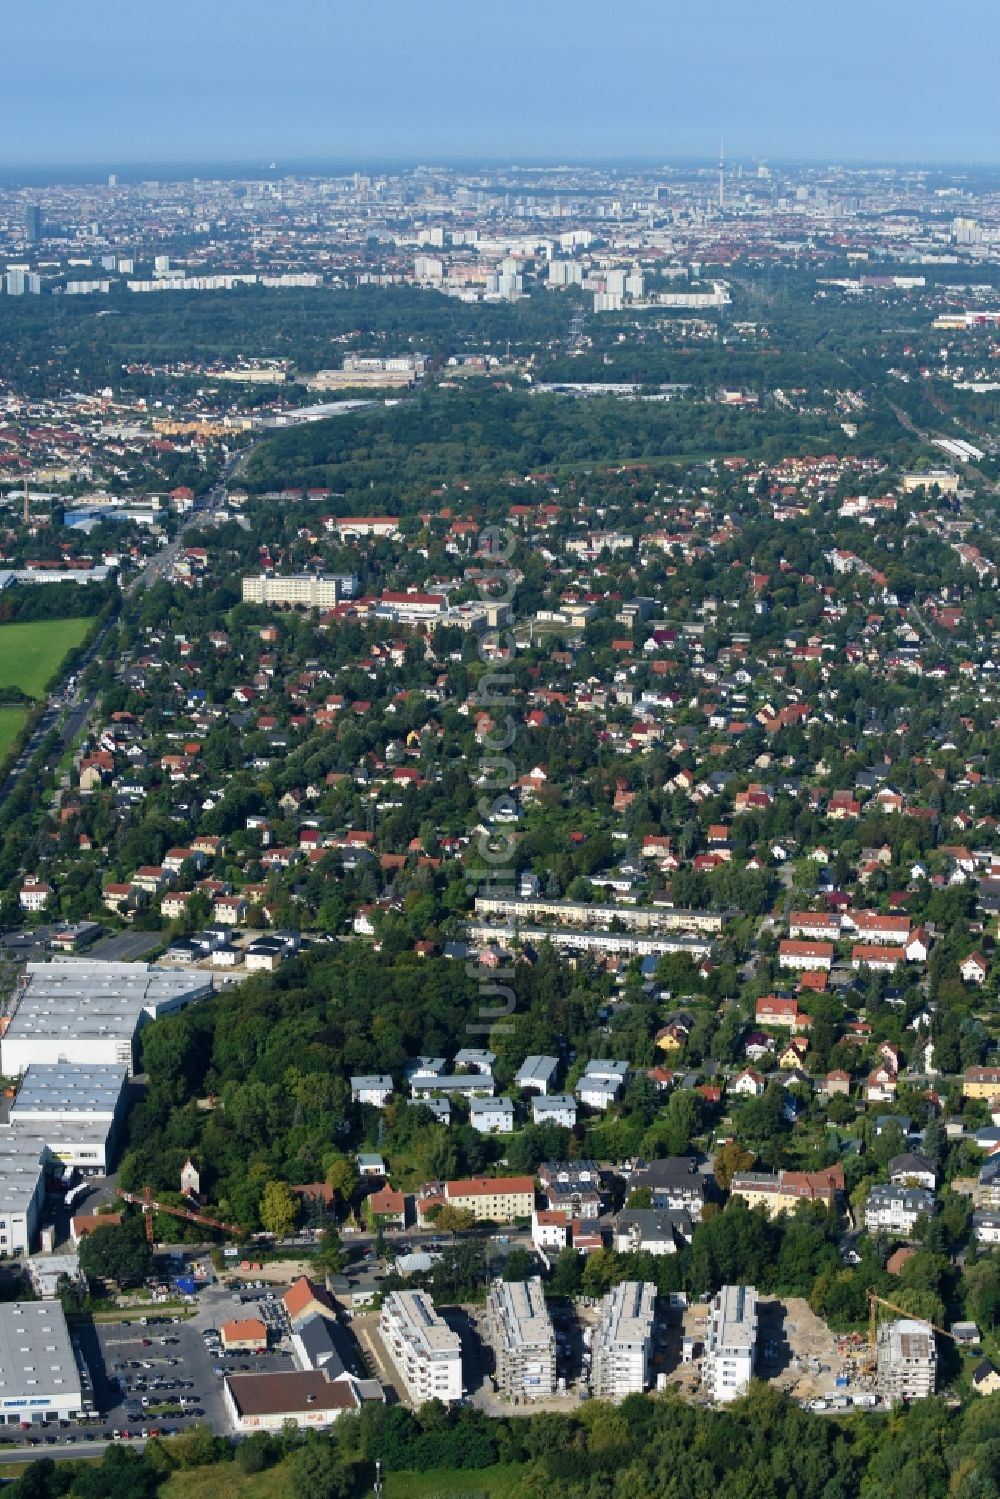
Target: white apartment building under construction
{"points": [[622, 1349], [522, 1337], [906, 1355]]}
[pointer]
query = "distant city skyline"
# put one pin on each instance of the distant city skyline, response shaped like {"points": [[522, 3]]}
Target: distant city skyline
{"points": [[320, 82]]}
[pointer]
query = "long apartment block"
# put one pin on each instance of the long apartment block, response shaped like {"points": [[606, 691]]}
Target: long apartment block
{"points": [[623, 1341], [425, 1351], [523, 1339]]}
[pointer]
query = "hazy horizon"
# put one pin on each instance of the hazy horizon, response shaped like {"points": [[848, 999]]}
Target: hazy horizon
{"points": [[440, 84]]}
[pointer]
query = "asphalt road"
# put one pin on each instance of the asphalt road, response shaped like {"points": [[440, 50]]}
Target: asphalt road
{"points": [[59, 1449], [124, 946]]}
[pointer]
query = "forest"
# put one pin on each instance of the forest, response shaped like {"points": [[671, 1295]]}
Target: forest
{"points": [[469, 434], [761, 1447], [41, 337]]}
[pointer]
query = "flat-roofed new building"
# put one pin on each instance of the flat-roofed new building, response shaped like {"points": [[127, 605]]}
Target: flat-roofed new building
{"points": [[623, 1341], [22, 1191], [906, 1359], [426, 1352], [76, 1110], [40, 1378], [89, 1012], [298, 590], [730, 1343], [524, 1344]]}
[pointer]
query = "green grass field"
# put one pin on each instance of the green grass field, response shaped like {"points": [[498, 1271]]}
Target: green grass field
{"points": [[11, 720], [31, 653], [225, 1481]]}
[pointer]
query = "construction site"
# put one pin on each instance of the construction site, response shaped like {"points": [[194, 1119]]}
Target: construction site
{"points": [[799, 1354]]}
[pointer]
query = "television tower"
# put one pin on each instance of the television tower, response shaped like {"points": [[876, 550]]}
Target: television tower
{"points": [[722, 173]]}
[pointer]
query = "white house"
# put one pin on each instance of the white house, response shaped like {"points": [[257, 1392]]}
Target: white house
{"points": [[35, 894], [550, 1228], [986, 1226], [376, 1089], [557, 1108], [974, 969], [918, 945], [881, 1085], [492, 1116], [912, 1170], [748, 1083], [895, 1209]]}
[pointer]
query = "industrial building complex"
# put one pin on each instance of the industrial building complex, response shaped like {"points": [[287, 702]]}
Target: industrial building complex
{"points": [[41, 1377], [90, 1012]]}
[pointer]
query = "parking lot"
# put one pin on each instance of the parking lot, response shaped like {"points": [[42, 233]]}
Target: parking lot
{"points": [[160, 1375]]}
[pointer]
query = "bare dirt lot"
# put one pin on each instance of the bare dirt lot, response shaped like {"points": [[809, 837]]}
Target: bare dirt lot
{"points": [[796, 1351]]}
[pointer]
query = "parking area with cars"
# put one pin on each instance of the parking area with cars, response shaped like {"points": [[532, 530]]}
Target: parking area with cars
{"points": [[159, 1372], [160, 1375]]}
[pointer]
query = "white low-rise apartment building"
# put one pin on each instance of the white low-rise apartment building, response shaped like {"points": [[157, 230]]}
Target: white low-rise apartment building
{"points": [[374, 1088], [554, 1108], [538, 1073], [425, 1351], [730, 1343], [623, 1341], [602, 1083], [492, 1116]]}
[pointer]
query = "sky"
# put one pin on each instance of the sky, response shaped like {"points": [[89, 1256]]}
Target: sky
{"points": [[436, 81]]}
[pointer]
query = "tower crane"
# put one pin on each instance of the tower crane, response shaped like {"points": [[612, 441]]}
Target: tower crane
{"points": [[874, 1302], [149, 1206]]}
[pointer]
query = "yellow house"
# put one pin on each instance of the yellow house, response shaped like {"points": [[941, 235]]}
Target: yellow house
{"points": [[985, 1378], [670, 1040], [791, 1056], [981, 1082]]}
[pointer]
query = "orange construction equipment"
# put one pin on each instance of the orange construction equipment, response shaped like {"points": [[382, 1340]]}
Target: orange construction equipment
{"points": [[149, 1206]]}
